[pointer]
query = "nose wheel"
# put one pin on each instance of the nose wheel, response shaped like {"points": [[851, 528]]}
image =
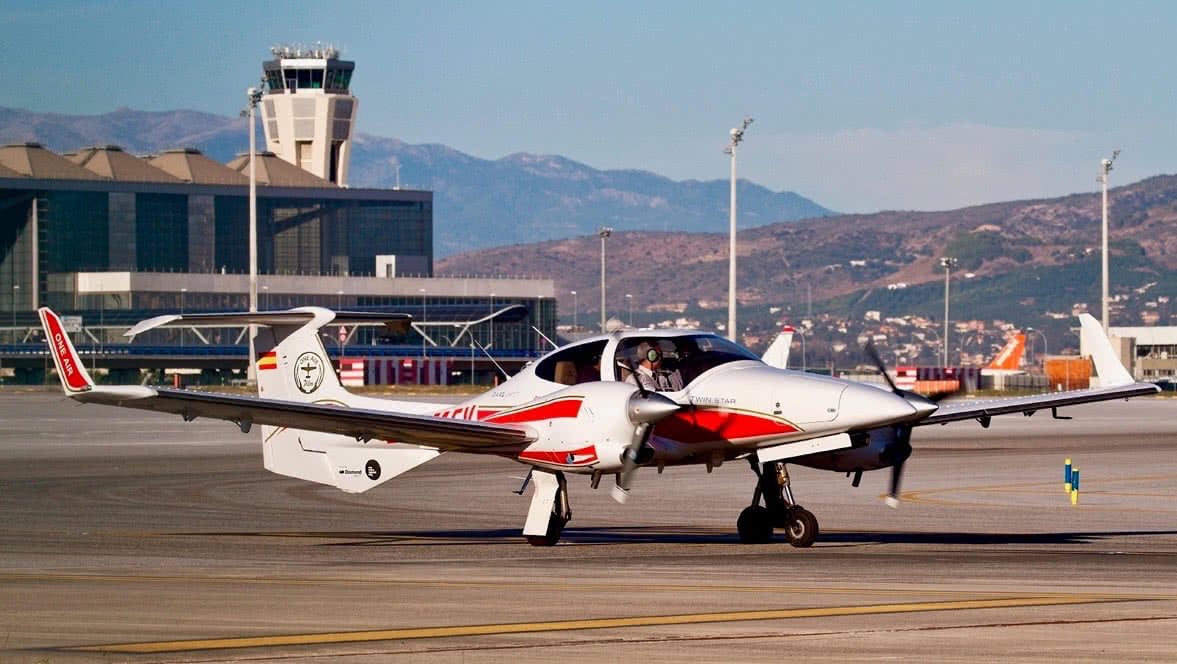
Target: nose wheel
{"points": [[757, 522]]}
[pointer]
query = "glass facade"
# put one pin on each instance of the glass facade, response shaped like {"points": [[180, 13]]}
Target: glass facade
{"points": [[143, 227], [114, 253]]}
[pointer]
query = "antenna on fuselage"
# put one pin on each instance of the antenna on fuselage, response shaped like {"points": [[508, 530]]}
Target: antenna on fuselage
{"points": [[545, 337], [497, 365]]}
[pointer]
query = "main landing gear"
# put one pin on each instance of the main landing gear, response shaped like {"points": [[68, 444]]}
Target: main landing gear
{"points": [[756, 522], [549, 509]]}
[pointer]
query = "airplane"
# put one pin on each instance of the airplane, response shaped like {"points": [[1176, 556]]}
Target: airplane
{"points": [[559, 419], [1009, 359]]}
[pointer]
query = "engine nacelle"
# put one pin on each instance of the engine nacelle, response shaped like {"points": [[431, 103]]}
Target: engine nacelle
{"points": [[582, 428], [882, 449]]}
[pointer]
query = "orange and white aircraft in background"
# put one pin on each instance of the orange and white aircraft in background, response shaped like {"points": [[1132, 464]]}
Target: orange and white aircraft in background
{"points": [[1009, 359], [572, 412]]}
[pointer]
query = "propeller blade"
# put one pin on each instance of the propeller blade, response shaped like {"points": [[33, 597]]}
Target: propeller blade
{"points": [[896, 478], [873, 354], [645, 408], [900, 451]]}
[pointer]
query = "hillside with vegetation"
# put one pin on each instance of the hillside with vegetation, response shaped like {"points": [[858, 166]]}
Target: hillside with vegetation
{"points": [[1032, 263]]}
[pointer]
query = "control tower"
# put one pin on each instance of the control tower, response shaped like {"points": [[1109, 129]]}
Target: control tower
{"points": [[308, 110]]}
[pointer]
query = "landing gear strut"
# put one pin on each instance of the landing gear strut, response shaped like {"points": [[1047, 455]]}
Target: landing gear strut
{"points": [[756, 522], [549, 509]]}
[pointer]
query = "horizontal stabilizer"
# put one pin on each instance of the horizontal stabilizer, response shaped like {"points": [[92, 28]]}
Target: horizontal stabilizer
{"points": [[301, 315]]}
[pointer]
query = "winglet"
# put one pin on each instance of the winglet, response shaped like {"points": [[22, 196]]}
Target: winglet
{"points": [[1111, 372], [73, 374]]}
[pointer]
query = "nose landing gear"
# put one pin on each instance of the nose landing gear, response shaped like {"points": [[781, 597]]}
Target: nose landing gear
{"points": [[757, 522]]}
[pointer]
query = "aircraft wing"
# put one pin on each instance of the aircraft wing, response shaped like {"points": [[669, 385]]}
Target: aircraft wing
{"points": [[364, 424], [980, 409], [1115, 381]]}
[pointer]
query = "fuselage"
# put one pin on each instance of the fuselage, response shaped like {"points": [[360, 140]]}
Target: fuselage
{"points": [[731, 402]]}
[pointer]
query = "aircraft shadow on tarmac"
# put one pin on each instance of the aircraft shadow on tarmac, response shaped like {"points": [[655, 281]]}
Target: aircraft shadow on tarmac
{"points": [[687, 535]]}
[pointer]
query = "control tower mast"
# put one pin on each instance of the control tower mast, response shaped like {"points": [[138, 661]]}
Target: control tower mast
{"points": [[308, 110]]}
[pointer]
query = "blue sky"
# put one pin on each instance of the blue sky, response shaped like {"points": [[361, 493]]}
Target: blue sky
{"points": [[860, 106]]}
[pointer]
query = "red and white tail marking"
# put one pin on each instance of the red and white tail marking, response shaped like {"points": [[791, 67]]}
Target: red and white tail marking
{"points": [[69, 367], [1010, 357]]}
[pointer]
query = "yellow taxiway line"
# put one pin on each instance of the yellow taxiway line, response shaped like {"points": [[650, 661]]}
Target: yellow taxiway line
{"points": [[592, 623]]}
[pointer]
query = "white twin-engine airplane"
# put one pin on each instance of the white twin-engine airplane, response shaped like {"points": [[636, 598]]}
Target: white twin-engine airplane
{"points": [[572, 411]]}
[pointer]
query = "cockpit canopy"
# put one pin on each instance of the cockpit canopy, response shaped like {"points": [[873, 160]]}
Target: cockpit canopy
{"points": [[688, 354]]}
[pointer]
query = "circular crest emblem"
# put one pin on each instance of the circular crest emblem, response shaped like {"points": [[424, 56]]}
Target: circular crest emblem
{"points": [[372, 470], [308, 372]]}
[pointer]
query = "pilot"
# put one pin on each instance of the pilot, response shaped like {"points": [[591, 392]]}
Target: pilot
{"points": [[650, 371]]}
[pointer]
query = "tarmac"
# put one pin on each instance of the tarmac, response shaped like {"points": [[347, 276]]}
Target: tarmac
{"points": [[132, 536]]}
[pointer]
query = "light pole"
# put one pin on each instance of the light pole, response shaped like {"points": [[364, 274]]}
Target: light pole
{"points": [[801, 335], [1105, 168], [604, 232], [15, 292], [491, 341], [254, 96], [266, 298], [629, 304], [736, 136], [938, 340], [1045, 348], [946, 262], [183, 292], [575, 309], [424, 315], [339, 337]]}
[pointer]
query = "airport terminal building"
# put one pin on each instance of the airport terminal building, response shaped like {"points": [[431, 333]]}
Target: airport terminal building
{"points": [[107, 238]]}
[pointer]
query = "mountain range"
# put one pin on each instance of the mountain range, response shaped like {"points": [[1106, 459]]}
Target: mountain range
{"points": [[1033, 263], [478, 203]]}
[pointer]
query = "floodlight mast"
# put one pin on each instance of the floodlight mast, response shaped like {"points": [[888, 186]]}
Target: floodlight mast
{"points": [[254, 96], [737, 135], [604, 232], [1105, 168], [946, 262]]}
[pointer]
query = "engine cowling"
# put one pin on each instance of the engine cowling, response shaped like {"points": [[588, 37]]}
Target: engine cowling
{"points": [[583, 428]]}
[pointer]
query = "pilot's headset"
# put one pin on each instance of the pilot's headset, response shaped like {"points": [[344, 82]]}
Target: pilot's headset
{"points": [[651, 352]]}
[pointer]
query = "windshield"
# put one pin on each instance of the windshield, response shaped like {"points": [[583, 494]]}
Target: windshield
{"points": [[688, 356]]}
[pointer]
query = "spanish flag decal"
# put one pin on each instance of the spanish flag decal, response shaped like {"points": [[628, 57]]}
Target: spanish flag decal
{"points": [[267, 361]]}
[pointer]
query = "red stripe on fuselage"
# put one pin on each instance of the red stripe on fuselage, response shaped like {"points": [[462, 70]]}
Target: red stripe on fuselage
{"points": [[545, 411], [704, 425], [582, 457]]}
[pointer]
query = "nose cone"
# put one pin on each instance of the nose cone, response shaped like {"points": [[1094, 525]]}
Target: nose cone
{"points": [[865, 405], [650, 408]]}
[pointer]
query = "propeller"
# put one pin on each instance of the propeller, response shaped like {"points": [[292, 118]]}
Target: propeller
{"points": [[644, 409], [899, 450]]}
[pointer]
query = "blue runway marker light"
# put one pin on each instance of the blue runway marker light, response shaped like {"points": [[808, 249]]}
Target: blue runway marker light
{"points": [[1067, 476], [1075, 487]]}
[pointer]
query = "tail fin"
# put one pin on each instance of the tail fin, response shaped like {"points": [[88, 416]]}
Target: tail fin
{"points": [[1107, 366], [292, 363], [1010, 356], [74, 378], [777, 354]]}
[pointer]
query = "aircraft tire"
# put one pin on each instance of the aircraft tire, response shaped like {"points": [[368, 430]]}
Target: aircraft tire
{"points": [[802, 529], [555, 528], [754, 525]]}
